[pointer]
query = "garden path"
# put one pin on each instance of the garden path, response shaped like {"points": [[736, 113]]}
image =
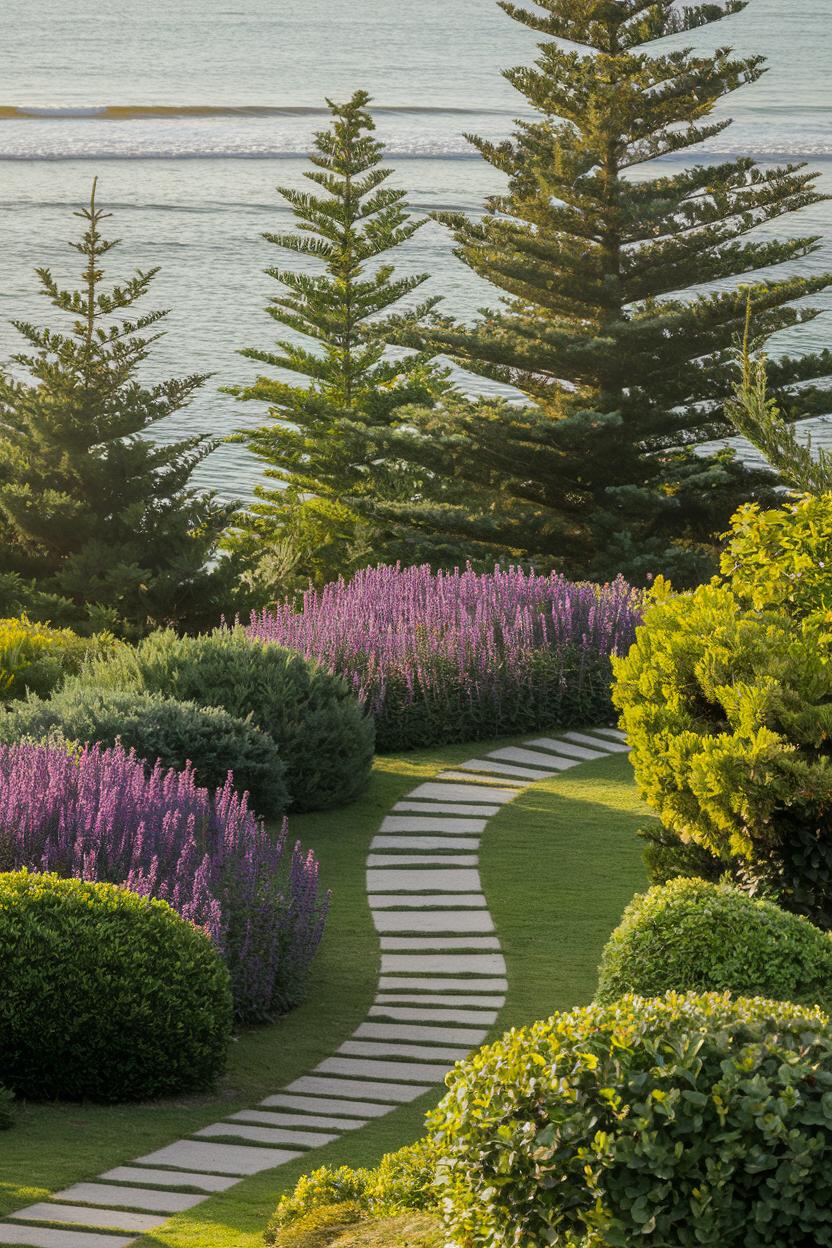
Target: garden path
{"points": [[441, 987]]}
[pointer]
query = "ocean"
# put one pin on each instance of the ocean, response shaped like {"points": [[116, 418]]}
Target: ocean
{"points": [[190, 115]]}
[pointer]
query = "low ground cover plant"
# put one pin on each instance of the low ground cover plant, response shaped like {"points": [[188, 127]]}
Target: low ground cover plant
{"points": [[459, 656], [322, 735], [690, 935], [98, 815], [159, 729], [105, 994], [37, 658]]}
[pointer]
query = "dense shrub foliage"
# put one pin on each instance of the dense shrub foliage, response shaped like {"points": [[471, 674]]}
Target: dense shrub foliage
{"points": [[6, 1109], [690, 935], [37, 658], [460, 656], [105, 994], [99, 815], [668, 857], [158, 728], [725, 697], [675, 1122], [323, 737]]}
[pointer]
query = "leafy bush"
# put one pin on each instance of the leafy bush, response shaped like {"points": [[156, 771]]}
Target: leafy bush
{"points": [[37, 658], [667, 857], [175, 733], [462, 656], [690, 935], [726, 697], [6, 1109], [99, 815], [676, 1122], [321, 733], [105, 994]]}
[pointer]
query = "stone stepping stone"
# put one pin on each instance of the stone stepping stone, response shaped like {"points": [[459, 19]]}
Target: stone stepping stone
{"points": [[462, 793], [442, 985], [327, 1105], [508, 769], [615, 733], [78, 1215], [532, 758], [380, 901], [446, 808], [219, 1158], [265, 1135], [441, 823], [429, 1014], [129, 1198], [436, 963], [51, 1237], [579, 753], [266, 1119], [438, 1035], [425, 842], [422, 860], [439, 942], [387, 1048], [434, 921], [483, 781], [412, 880], [367, 1068], [168, 1178], [395, 998], [399, 1092], [612, 747]]}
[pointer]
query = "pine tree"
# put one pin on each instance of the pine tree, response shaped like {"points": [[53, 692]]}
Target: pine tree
{"points": [[91, 510], [594, 247], [340, 310]]}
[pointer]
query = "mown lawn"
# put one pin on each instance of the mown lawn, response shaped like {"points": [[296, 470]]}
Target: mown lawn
{"points": [[559, 864]]}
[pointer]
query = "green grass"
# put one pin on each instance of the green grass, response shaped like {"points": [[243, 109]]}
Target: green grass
{"points": [[559, 864]]}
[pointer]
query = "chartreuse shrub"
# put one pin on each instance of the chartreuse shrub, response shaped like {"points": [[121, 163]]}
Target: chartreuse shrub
{"points": [[675, 1122], [726, 697], [159, 728], [690, 935], [37, 658], [322, 735], [105, 994]]}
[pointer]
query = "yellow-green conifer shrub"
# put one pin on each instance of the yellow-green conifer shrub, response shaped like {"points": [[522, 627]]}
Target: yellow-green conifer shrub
{"points": [[36, 658]]}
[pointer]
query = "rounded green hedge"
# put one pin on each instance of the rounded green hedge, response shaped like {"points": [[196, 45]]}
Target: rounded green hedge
{"points": [[105, 995], [691, 935], [160, 728], [678, 1122], [321, 732]]}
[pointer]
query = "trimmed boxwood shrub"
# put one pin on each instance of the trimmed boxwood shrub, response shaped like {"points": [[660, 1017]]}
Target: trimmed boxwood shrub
{"points": [[322, 735], [160, 728], [104, 994], [669, 1123], [36, 658], [689, 935]]}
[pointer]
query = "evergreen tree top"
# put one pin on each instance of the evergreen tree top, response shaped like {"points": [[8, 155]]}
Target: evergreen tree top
{"points": [[614, 26]]}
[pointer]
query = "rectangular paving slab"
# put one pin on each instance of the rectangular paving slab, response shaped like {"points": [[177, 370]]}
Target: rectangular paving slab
{"points": [[432, 1014], [440, 1035], [52, 1237], [219, 1158], [422, 860], [413, 880], [425, 842], [168, 1178], [531, 758], [45, 1211], [439, 942], [449, 824], [484, 782], [265, 1135], [429, 984], [462, 793], [129, 1197], [434, 921], [615, 733], [509, 769], [389, 1048], [412, 998], [327, 1105], [577, 752], [401, 1093], [300, 1122], [368, 1068], [436, 963], [612, 747], [381, 901], [446, 808]]}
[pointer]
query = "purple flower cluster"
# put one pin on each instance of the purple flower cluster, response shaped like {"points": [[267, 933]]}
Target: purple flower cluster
{"points": [[444, 656], [98, 815]]}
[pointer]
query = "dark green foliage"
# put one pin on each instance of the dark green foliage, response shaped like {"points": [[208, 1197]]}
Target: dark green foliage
{"points": [[105, 995], [101, 517], [671, 1123], [160, 728], [692, 936], [315, 443], [6, 1109], [321, 733], [626, 371], [667, 857]]}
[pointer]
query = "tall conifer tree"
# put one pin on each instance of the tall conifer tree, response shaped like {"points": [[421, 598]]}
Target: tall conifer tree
{"points": [[98, 516], [624, 370], [342, 316]]}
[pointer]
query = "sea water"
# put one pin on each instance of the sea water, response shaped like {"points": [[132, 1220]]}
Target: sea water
{"points": [[192, 113]]}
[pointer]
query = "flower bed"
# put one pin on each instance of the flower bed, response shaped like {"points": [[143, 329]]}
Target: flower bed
{"points": [[99, 816], [462, 655]]}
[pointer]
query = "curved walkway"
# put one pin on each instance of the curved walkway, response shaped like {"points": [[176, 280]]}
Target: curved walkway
{"points": [[442, 985]]}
